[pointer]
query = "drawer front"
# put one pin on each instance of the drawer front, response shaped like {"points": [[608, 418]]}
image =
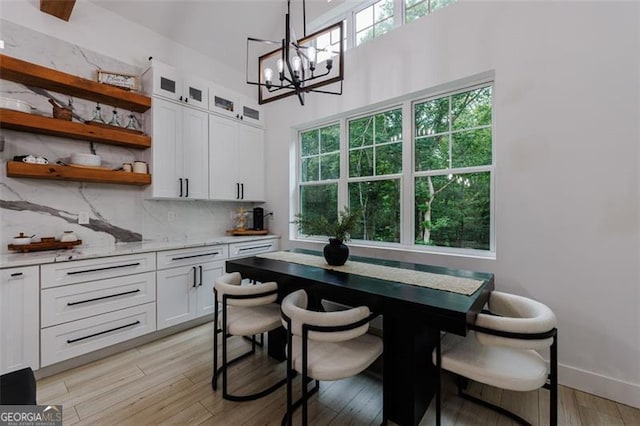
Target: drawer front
{"points": [[64, 273], [77, 301], [252, 248], [191, 256], [80, 337]]}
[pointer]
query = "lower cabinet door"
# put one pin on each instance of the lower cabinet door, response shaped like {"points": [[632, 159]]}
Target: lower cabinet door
{"points": [[176, 292], [19, 319], [75, 338], [210, 271]]}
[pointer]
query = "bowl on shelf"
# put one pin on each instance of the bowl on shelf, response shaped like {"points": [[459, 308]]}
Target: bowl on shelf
{"points": [[83, 159], [22, 239], [16, 105]]}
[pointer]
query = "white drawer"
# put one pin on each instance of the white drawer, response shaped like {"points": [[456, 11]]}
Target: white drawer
{"points": [[252, 248], [191, 256], [64, 273], [77, 301], [80, 337]]}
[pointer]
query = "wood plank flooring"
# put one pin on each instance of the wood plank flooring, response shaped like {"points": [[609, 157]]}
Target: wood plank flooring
{"points": [[169, 382]]}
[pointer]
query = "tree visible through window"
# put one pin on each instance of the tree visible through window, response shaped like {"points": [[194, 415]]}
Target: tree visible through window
{"points": [[452, 147], [374, 20], [319, 172], [375, 168]]}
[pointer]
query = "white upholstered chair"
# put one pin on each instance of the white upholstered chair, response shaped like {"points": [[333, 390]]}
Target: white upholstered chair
{"points": [[501, 351], [246, 310], [324, 346]]}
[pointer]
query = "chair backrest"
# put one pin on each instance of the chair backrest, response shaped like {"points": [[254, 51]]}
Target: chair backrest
{"points": [[516, 314], [230, 284], [295, 305]]}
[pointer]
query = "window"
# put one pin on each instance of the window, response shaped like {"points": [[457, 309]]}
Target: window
{"points": [[374, 20], [375, 169], [319, 172], [414, 9], [452, 151], [430, 189]]}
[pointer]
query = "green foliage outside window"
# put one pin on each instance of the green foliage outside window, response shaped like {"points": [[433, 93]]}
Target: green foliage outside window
{"points": [[453, 132]]}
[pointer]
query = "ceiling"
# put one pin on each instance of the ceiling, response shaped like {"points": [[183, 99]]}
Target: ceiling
{"points": [[218, 28]]}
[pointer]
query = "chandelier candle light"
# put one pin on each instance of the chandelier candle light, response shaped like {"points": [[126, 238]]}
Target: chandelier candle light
{"points": [[303, 65]]}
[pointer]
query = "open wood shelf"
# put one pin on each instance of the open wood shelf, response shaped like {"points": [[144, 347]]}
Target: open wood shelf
{"points": [[57, 172], [25, 122], [47, 78]]}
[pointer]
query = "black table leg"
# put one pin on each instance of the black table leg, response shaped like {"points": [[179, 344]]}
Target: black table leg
{"points": [[408, 373]]}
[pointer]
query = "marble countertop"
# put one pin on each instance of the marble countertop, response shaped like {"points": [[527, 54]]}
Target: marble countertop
{"points": [[81, 252]]}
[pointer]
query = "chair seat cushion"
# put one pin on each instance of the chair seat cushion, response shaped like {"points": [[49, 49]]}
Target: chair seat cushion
{"points": [[247, 321], [506, 368], [339, 360]]}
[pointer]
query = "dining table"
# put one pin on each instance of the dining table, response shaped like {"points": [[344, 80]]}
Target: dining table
{"points": [[417, 302]]}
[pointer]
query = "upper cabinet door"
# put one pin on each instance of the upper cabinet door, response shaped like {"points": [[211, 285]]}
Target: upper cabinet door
{"points": [[196, 92], [224, 182], [167, 153], [223, 101], [195, 143], [251, 112], [166, 81]]}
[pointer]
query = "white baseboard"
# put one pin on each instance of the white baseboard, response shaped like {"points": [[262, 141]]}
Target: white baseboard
{"points": [[603, 386]]}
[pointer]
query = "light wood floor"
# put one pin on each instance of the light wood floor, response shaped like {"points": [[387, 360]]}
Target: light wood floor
{"points": [[168, 382]]}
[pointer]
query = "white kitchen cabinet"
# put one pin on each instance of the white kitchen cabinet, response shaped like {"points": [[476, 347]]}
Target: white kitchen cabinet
{"points": [[19, 319], [251, 248], [166, 81], [185, 286], [94, 303], [75, 338], [179, 154], [225, 102], [236, 160]]}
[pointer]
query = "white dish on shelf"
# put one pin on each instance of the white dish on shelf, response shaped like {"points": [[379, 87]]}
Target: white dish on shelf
{"points": [[16, 105], [83, 159]]}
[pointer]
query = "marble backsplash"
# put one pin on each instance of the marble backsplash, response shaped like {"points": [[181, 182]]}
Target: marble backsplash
{"points": [[118, 213]]}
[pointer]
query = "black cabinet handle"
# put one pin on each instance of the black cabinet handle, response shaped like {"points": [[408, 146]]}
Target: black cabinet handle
{"points": [[102, 332], [242, 188], [237, 115], [103, 297], [16, 274], [103, 269], [200, 275], [187, 181], [186, 99], [254, 248], [180, 97], [237, 191], [195, 255], [195, 272], [241, 117], [180, 179]]}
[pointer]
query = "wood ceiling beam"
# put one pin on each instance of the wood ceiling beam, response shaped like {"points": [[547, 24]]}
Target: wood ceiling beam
{"points": [[59, 8]]}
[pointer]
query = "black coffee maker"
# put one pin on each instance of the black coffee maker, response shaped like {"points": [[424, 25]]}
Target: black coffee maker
{"points": [[258, 218]]}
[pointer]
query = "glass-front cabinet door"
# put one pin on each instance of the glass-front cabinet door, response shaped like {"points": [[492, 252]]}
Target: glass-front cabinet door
{"points": [[196, 92]]}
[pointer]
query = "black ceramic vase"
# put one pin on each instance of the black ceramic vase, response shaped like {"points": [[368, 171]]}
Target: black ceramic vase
{"points": [[336, 252]]}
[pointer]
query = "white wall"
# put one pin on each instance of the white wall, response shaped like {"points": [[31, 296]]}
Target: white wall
{"points": [[104, 32], [567, 111]]}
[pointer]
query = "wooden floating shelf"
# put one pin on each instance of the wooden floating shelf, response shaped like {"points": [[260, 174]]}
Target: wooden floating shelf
{"points": [[16, 120], [57, 172], [47, 78]]}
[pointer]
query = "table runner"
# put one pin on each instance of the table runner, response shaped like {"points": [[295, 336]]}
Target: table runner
{"points": [[466, 286]]}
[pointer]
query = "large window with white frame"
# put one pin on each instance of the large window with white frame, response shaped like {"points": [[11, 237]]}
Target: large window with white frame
{"points": [[438, 194], [319, 172]]}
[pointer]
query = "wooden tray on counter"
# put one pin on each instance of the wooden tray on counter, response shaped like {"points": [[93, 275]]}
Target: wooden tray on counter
{"points": [[44, 245], [239, 232]]}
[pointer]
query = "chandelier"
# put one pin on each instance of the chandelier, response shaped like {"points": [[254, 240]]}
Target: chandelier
{"points": [[298, 66]]}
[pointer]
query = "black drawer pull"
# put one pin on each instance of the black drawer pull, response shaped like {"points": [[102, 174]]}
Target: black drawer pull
{"points": [[103, 269], [103, 297], [254, 248], [195, 255], [102, 332], [16, 274]]}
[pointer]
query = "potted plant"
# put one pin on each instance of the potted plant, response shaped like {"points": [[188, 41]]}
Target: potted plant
{"points": [[339, 231]]}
